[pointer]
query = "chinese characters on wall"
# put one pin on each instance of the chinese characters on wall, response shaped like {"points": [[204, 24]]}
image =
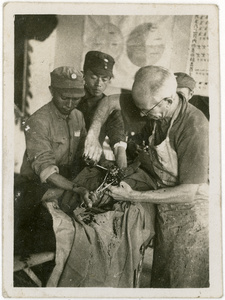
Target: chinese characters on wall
{"points": [[198, 54]]}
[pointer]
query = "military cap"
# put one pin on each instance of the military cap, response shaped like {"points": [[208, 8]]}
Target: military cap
{"points": [[99, 63], [69, 80], [185, 81]]}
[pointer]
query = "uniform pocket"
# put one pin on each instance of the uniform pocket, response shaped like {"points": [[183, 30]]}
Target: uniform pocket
{"points": [[60, 149]]}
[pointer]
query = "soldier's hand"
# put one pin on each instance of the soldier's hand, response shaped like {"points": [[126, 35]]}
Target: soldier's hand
{"points": [[84, 194], [92, 148]]}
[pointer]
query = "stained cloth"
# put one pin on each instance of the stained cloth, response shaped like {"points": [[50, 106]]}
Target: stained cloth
{"points": [[106, 252], [181, 253], [64, 234]]}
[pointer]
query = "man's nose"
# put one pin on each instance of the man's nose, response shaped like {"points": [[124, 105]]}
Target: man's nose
{"points": [[142, 114], [99, 81], [69, 103]]}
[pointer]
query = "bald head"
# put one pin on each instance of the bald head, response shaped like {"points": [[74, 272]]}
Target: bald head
{"points": [[151, 84]]}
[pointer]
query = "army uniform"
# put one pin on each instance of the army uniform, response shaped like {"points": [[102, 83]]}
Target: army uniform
{"points": [[54, 144], [101, 64]]}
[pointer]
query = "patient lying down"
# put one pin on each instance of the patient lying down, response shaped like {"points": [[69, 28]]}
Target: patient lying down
{"points": [[100, 246]]}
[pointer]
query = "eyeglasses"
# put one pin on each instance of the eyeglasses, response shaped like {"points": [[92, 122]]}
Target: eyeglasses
{"points": [[145, 113]]}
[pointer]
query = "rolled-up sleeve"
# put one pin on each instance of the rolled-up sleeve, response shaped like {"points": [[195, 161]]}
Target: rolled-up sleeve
{"points": [[48, 172], [38, 147]]}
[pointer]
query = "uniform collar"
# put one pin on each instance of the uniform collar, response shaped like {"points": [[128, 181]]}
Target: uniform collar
{"points": [[183, 102], [57, 112]]}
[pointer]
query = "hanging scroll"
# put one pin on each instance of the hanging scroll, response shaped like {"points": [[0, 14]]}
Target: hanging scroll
{"points": [[199, 55]]}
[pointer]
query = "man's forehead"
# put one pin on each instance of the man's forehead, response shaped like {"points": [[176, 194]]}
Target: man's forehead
{"points": [[145, 99], [67, 93], [154, 95], [97, 74]]}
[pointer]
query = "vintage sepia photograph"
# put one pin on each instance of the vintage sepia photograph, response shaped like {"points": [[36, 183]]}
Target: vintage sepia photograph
{"points": [[111, 181]]}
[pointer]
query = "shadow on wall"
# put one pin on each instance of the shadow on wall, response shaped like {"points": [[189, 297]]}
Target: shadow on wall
{"points": [[27, 27]]}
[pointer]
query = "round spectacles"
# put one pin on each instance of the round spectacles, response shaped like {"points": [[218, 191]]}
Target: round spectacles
{"points": [[145, 113]]}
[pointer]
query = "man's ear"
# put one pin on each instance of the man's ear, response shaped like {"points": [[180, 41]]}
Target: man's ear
{"points": [[51, 90], [191, 94]]}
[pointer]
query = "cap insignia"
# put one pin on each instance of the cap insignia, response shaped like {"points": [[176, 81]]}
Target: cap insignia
{"points": [[73, 76]]}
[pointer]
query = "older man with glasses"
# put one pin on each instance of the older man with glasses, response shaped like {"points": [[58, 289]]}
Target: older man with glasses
{"points": [[176, 157]]}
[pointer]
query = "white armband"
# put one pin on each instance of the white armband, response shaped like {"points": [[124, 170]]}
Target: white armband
{"points": [[119, 144]]}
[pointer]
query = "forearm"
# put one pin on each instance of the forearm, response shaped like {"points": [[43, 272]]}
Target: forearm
{"points": [[178, 194], [106, 106], [60, 182], [92, 147], [63, 183]]}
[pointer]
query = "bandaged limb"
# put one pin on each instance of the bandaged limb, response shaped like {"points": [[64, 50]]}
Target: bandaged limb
{"points": [[121, 157], [92, 147]]}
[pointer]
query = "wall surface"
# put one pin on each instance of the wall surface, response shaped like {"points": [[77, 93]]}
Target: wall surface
{"points": [[69, 41], [42, 63], [181, 40]]}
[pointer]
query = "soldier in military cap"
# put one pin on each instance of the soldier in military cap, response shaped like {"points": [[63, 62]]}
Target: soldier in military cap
{"points": [[54, 132], [185, 85], [54, 142], [98, 70]]}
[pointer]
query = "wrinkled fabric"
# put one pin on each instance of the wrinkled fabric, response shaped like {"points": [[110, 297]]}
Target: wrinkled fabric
{"points": [[64, 233], [106, 252], [181, 254], [52, 140]]}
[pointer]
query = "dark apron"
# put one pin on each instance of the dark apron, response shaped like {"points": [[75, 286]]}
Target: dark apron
{"points": [[181, 254]]}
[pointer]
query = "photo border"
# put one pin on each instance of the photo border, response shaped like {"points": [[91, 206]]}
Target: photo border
{"points": [[215, 222]]}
